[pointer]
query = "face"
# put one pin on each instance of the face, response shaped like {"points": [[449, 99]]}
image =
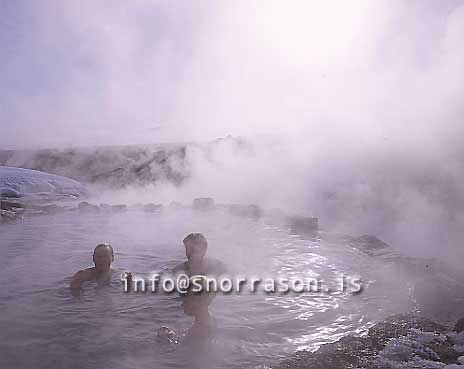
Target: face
{"points": [[194, 252], [103, 259]]}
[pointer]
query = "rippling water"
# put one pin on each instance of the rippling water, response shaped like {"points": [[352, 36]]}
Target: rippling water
{"points": [[44, 326]]}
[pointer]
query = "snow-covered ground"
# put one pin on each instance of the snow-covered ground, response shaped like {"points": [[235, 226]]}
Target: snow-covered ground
{"points": [[414, 351], [19, 182]]}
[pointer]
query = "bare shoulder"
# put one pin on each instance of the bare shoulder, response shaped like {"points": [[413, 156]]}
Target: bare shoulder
{"points": [[182, 267], [216, 266], [82, 276]]}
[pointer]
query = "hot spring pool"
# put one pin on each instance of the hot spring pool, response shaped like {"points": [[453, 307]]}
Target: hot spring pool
{"points": [[44, 326]]}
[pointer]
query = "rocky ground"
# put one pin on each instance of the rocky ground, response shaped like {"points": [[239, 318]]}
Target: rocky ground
{"points": [[117, 166], [403, 341]]}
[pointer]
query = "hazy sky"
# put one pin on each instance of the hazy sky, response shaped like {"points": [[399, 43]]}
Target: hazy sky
{"points": [[107, 72]]}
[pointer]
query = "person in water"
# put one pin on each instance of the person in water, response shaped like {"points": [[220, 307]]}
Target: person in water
{"points": [[197, 305], [203, 329], [195, 250], [103, 257]]}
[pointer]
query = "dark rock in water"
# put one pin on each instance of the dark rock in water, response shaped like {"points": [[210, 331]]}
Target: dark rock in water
{"points": [[11, 215], [303, 225], [119, 208], [459, 327], [203, 204], [369, 244], [10, 205], [364, 352], [86, 207], [348, 352], [175, 205], [113, 208], [29, 209], [153, 208], [10, 193], [105, 207], [401, 325], [251, 211]]}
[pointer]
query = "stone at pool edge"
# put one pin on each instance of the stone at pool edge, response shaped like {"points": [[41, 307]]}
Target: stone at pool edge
{"points": [[152, 208], [87, 207], [203, 204], [459, 327], [10, 211], [10, 193], [118, 208], [175, 205], [10, 205], [302, 225], [11, 215], [351, 351]]}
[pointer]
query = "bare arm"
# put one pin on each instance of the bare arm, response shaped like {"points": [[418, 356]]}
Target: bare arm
{"points": [[79, 277]]}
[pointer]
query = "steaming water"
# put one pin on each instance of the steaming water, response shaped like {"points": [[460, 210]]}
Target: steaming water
{"points": [[44, 326]]}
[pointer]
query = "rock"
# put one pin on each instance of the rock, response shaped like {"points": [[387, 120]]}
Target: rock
{"points": [[175, 205], [10, 205], [445, 352], [426, 338], [10, 193], [105, 207], [401, 325], [152, 208], [86, 207], [348, 352], [252, 211], [459, 327], [204, 204], [11, 215], [369, 244], [303, 225], [119, 208]]}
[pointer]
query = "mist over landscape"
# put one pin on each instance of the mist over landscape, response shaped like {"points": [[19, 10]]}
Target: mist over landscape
{"points": [[359, 103], [351, 112]]}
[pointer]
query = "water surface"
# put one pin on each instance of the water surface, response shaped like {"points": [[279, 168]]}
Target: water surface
{"points": [[44, 326]]}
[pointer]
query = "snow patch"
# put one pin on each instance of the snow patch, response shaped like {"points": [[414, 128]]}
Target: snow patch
{"points": [[19, 182]]}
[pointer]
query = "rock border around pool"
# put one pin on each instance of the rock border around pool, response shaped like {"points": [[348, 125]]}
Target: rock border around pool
{"points": [[399, 340], [304, 226]]}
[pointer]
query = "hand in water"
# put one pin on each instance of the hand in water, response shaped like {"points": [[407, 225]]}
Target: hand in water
{"points": [[167, 334]]}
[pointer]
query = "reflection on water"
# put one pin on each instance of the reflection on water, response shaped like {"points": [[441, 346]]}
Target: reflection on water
{"points": [[46, 327]]}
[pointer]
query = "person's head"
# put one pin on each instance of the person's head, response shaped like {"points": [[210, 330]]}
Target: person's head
{"points": [[195, 247], [103, 256]]}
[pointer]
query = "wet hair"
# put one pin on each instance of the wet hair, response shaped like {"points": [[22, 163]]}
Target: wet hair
{"points": [[99, 246], [196, 239]]}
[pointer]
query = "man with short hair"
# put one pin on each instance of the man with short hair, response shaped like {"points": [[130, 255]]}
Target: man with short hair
{"points": [[195, 250], [103, 256]]}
